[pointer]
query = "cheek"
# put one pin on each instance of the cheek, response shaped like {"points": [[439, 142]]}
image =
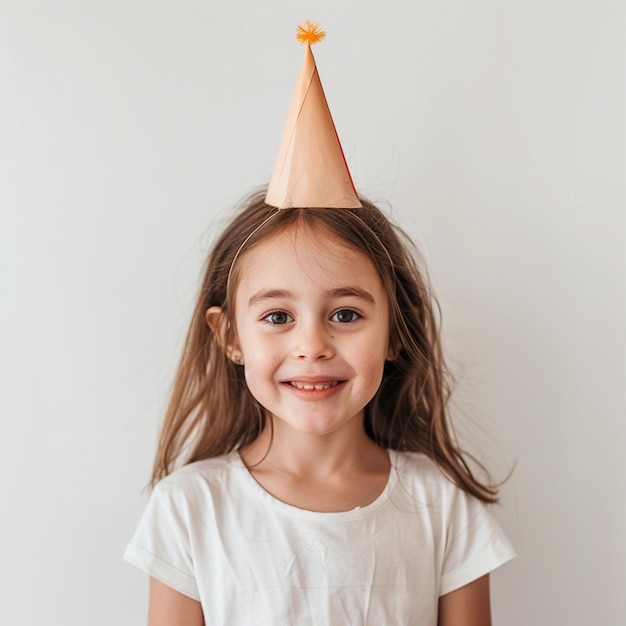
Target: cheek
{"points": [[259, 364]]}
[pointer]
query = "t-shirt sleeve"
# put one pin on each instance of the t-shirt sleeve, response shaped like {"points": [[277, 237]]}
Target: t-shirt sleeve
{"points": [[474, 545], [161, 544]]}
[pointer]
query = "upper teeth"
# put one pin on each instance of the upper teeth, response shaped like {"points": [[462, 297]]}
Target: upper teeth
{"points": [[310, 387]]}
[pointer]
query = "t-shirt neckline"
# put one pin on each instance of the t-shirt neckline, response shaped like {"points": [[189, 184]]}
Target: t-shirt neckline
{"points": [[294, 511]]}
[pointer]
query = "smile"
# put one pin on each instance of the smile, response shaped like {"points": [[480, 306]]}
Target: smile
{"points": [[313, 387]]}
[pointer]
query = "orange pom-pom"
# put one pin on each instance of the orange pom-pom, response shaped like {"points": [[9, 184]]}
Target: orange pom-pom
{"points": [[309, 33]]}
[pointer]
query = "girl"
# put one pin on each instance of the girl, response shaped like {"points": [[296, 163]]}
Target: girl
{"points": [[321, 483]]}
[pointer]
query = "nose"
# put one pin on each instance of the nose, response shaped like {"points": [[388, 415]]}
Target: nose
{"points": [[312, 341]]}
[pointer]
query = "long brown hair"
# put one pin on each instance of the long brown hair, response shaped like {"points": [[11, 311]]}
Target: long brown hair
{"points": [[211, 412]]}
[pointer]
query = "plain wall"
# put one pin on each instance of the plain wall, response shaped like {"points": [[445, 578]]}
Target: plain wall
{"points": [[494, 130]]}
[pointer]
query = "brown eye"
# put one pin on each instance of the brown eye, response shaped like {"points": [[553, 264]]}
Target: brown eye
{"points": [[278, 317], [344, 316]]}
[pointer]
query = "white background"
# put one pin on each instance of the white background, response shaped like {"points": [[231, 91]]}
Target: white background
{"points": [[494, 129]]}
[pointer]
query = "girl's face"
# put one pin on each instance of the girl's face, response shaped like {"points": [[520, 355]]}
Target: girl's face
{"points": [[312, 325]]}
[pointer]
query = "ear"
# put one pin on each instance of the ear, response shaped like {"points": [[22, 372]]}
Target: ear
{"points": [[393, 351], [226, 337]]}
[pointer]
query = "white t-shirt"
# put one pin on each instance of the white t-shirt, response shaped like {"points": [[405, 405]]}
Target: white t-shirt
{"points": [[213, 533]]}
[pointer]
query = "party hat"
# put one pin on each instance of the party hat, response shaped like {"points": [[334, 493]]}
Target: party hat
{"points": [[310, 169]]}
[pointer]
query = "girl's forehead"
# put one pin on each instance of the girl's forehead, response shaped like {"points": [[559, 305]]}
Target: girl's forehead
{"points": [[304, 245], [306, 256]]}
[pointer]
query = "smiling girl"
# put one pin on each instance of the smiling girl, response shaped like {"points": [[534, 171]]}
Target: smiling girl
{"points": [[322, 484], [306, 472]]}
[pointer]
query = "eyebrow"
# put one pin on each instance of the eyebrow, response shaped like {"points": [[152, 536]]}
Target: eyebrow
{"points": [[339, 292]]}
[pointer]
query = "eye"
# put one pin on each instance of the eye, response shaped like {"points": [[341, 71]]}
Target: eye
{"points": [[278, 318], [345, 316]]}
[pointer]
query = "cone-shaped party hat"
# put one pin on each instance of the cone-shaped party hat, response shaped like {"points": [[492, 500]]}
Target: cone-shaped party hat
{"points": [[310, 169]]}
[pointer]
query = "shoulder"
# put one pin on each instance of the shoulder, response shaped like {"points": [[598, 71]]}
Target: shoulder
{"points": [[423, 482], [409, 461], [419, 470], [200, 481]]}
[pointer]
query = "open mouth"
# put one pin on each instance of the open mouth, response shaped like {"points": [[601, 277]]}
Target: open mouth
{"points": [[313, 387]]}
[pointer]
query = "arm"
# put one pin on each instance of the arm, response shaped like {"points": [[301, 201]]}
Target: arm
{"points": [[467, 606], [169, 607]]}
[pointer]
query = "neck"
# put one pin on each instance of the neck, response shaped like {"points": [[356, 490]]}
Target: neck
{"points": [[315, 456]]}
